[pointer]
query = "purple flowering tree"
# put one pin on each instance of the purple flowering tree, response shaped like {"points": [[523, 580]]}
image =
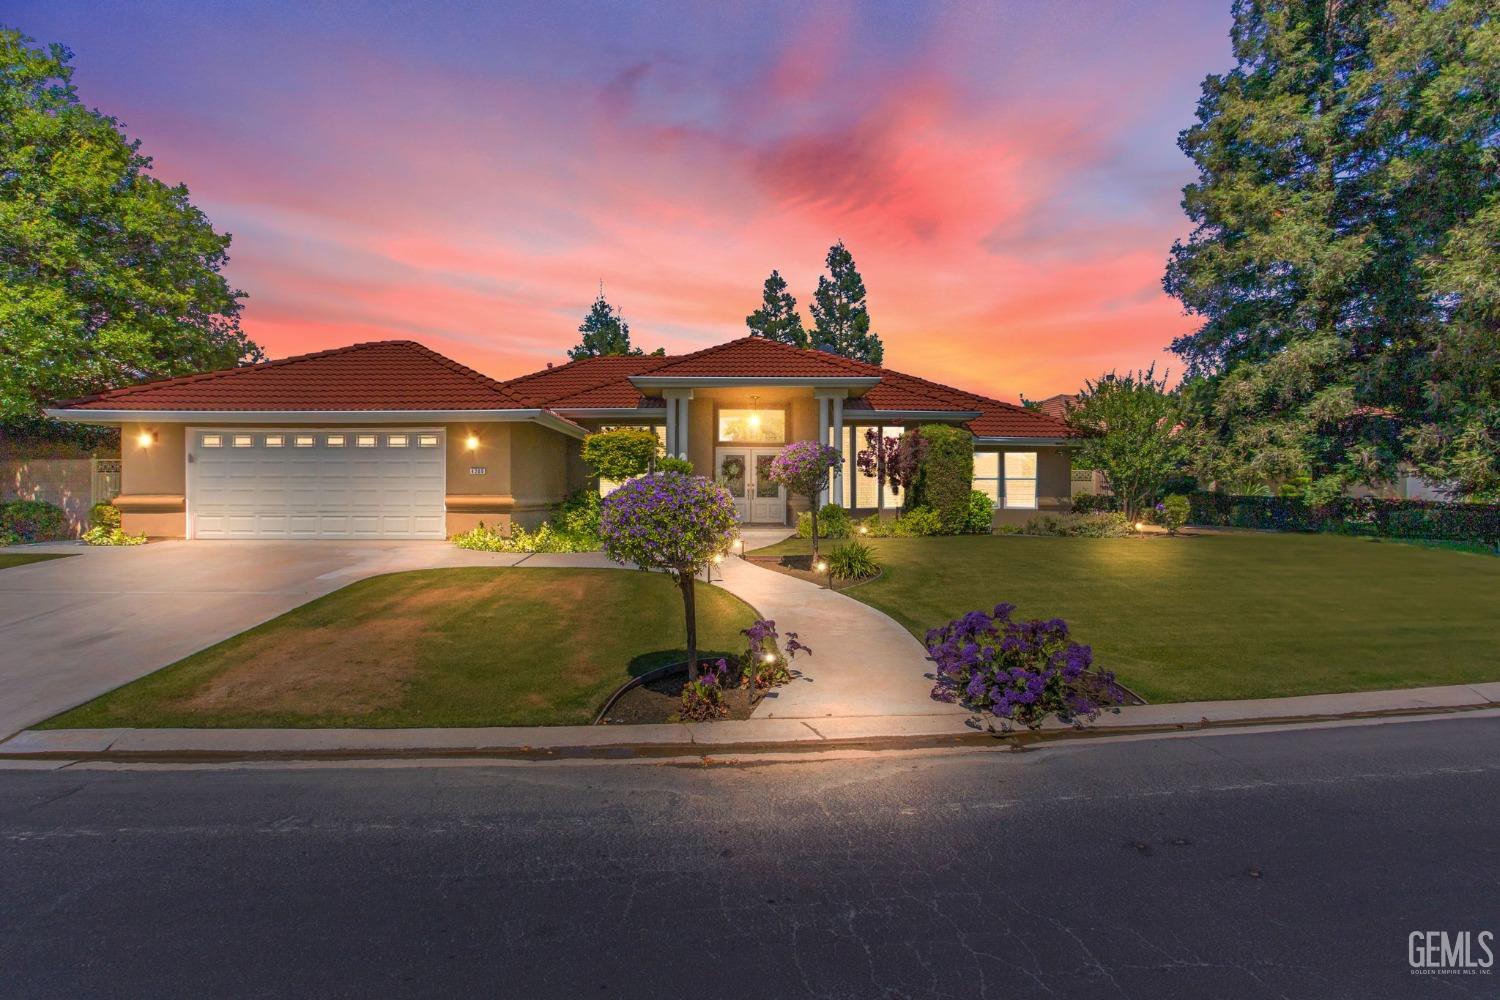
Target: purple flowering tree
{"points": [[674, 522], [1018, 671], [893, 460], [803, 467]]}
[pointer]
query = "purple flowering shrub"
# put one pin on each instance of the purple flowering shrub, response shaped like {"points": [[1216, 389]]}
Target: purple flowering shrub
{"points": [[673, 522], [703, 696], [764, 664], [1019, 671], [803, 467]]}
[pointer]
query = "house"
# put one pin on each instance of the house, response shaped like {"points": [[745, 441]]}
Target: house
{"points": [[393, 440]]}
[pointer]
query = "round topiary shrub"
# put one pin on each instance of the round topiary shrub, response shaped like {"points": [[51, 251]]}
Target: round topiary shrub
{"points": [[34, 521], [981, 513]]}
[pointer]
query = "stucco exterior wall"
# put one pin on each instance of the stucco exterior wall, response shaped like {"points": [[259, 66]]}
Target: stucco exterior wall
{"points": [[1054, 485], [64, 482], [527, 469]]}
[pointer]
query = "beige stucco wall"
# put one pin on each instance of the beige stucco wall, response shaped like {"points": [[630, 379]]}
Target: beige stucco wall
{"points": [[527, 469], [65, 482], [1054, 485]]}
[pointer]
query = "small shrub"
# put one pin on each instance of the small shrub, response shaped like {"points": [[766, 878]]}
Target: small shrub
{"points": [[482, 538], [918, 522], [104, 515], [852, 561], [981, 513], [873, 526], [1018, 671], [703, 697], [579, 514], [833, 522], [764, 664], [671, 463], [34, 521], [8, 537], [100, 535], [1113, 525], [1094, 503], [1009, 528], [1172, 513]]}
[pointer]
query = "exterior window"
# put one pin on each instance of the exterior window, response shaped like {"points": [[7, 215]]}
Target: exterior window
{"points": [[427, 440], [304, 441], [1020, 479], [987, 475], [396, 440], [864, 491], [364, 440], [275, 440], [334, 440], [244, 441], [211, 441], [752, 426]]}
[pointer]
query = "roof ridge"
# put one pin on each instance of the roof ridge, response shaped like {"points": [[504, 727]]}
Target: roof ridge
{"points": [[125, 390], [461, 369], [981, 398]]}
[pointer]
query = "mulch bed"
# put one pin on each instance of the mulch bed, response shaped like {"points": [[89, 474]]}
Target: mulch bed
{"points": [[801, 568], [656, 700]]}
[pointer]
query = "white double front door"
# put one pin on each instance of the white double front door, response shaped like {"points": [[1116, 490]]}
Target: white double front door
{"points": [[746, 474]]}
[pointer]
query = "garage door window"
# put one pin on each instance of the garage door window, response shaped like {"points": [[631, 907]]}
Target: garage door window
{"points": [[304, 441], [396, 440], [364, 440], [335, 440], [426, 440], [275, 440], [211, 441], [244, 441]]}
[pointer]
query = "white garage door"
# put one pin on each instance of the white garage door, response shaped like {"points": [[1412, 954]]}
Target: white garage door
{"points": [[361, 483]]}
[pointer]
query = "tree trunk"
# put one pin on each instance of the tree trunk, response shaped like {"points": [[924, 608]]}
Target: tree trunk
{"points": [[813, 502], [685, 581]]}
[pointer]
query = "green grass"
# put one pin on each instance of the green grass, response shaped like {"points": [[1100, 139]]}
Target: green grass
{"points": [[9, 559], [445, 647], [1218, 616]]}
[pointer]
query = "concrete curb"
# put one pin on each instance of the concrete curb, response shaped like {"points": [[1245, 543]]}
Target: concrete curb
{"points": [[748, 735]]}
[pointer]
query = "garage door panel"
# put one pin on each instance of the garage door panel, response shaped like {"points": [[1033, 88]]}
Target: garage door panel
{"points": [[261, 490]]}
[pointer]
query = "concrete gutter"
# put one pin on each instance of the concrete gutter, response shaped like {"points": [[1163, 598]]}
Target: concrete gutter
{"points": [[707, 739]]}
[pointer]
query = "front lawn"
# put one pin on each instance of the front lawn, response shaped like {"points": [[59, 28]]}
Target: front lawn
{"points": [[443, 647], [1218, 616], [9, 559]]}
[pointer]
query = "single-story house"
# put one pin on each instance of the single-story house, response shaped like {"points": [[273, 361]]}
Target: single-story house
{"points": [[393, 440]]}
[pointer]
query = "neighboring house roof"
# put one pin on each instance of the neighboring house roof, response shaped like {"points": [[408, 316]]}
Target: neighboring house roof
{"points": [[384, 375], [399, 375], [1057, 407]]}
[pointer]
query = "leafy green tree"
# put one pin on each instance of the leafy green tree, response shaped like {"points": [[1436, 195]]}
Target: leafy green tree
{"points": [[841, 318], [777, 318], [605, 332], [107, 275], [622, 453], [1133, 435], [1345, 211]]}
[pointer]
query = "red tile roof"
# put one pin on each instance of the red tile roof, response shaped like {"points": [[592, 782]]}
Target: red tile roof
{"points": [[384, 375], [403, 375], [1058, 406]]}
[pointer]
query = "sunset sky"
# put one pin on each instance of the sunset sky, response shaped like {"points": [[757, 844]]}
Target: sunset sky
{"points": [[465, 175]]}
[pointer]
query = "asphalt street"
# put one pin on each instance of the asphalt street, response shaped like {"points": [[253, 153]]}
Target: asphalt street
{"points": [[1288, 864]]}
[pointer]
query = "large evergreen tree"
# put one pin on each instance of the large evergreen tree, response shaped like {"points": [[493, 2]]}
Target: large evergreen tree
{"points": [[841, 318], [107, 275], [777, 318], [1344, 251], [604, 332]]}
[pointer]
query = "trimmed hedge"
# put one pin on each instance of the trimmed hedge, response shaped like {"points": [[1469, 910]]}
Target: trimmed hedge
{"points": [[1465, 522], [946, 476]]}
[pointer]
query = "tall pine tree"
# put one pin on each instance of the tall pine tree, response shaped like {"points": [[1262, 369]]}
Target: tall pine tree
{"points": [[840, 316], [605, 332], [1345, 218], [777, 318]]}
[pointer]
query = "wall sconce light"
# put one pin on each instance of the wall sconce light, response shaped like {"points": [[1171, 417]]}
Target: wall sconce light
{"points": [[472, 442], [146, 438]]}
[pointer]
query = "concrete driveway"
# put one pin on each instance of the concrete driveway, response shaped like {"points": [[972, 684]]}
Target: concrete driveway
{"points": [[72, 629]]}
